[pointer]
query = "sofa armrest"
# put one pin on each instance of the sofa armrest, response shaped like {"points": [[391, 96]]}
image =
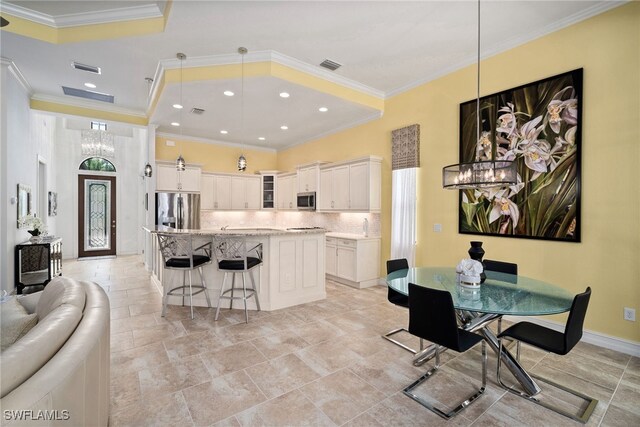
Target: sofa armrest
{"points": [[30, 301]]}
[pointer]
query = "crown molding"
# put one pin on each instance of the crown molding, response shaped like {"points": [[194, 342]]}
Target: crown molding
{"points": [[214, 141], [15, 71], [374, 116], [88, 105], [511, 43], [253, 57], [128, 13]]}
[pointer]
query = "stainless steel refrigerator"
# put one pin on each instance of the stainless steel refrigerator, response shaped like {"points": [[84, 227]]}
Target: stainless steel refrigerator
{"points": [[178, 210]]}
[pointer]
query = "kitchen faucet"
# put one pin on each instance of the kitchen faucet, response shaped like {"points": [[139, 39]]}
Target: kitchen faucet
{"points": [[224, 227]]}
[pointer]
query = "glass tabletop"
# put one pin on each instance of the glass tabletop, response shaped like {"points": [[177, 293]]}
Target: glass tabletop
{"points": [[501, 293]]}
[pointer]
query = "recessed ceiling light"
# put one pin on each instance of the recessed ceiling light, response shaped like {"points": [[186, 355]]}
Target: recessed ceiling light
{"points": [[175, 124], [90, 85], [224, 132], [283, 127], [284, 95], [261, 138], [228, 93], [177, 106], [323, 109]]}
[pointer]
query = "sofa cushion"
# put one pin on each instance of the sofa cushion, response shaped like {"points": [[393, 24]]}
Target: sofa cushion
{"points": [[26, 356], [15, 322], [61, 290]]}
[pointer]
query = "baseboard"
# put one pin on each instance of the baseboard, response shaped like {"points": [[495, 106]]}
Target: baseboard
{"points": [[596, 338]]}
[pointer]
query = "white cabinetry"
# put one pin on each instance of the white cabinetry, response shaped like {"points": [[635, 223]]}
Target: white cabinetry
{"points": [[167, 178], [352, 186], [229, 192], [245, 192], [353, 261], [287, 190], [308, 178]]}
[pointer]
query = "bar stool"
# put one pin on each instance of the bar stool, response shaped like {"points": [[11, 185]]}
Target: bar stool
{"points": [[233, 256], [178, 253]]}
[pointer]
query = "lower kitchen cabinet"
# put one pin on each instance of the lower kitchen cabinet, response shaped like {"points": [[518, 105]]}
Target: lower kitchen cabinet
{"points": [[352, 260]]}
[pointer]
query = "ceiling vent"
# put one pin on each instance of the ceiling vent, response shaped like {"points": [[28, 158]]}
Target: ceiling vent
{"points": [[87, 94], [84, 67], [331, 65], [198, 111]]}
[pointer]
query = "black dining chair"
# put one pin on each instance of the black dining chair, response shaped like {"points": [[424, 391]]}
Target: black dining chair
{"points": [[433, 317], [555, 342], [502, 267], [398, 299]]}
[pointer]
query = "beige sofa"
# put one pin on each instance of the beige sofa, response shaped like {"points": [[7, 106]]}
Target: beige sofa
{"points": [[60, 368]]}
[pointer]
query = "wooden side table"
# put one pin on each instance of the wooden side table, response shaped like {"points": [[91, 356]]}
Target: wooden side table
{"points": [[36, 263]]}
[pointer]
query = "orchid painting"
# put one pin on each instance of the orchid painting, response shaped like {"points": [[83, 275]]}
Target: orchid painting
{"points": [[538, 126]]}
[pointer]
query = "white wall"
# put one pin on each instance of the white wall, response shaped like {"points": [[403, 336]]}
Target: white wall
{"points": [[25, 137], [129, 187]]}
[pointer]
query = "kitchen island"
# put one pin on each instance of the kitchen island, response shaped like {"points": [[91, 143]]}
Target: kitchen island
{"points": [[292, 270]]}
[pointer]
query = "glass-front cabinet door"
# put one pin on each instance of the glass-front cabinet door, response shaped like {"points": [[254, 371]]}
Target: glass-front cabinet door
{"points": [[268, 192]]}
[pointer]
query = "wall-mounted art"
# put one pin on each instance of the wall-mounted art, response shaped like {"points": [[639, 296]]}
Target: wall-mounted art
{"points": [[53, 203], [25, 207], [539, 125]]}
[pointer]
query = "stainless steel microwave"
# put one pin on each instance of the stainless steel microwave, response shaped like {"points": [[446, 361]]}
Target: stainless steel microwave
{"points": [[306, 201]]}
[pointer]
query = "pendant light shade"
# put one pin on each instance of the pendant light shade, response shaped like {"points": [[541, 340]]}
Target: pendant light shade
{"points": [[180, 163], [242, 163], [480, 173], [148, 170]]}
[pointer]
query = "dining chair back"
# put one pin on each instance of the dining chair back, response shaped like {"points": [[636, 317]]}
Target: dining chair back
{"points": [[432, 316], [399, 299], [556, 342], [500, 266]]}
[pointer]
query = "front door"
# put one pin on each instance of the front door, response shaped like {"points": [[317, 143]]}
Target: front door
{"points": [[96, 215]]}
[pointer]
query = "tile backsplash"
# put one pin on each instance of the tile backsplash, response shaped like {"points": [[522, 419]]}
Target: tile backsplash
{"points": [[336, 222]]}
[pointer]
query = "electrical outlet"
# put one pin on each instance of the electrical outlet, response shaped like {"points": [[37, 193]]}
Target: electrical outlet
{"points": [[437, 228], [630, 314]]}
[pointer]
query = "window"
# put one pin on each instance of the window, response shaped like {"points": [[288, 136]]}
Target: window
{"points": [[98, 126], [97, 164]]}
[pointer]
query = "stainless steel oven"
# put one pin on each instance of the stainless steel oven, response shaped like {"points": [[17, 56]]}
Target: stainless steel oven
{"points": [[306, 201]]}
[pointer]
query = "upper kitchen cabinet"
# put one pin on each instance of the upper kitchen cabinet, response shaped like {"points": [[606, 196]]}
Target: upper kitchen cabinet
{"points": [[308, 176], [245, 192], [268, 190], [230, 192], [287, 189], [169, 179], [351, 186]]}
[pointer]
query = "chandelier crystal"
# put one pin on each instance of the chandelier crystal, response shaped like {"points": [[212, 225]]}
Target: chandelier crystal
{"points": [[97, 143]]}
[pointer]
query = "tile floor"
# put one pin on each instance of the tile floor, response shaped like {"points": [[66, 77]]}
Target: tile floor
{"points": [[322, 363]]}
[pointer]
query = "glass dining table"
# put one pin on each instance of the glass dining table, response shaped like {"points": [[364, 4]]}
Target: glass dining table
{"points": [[501, 294]]}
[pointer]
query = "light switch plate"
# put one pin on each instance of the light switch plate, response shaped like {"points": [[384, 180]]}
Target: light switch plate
{"points": [[437, 228], [170, 143], [629, 314]]}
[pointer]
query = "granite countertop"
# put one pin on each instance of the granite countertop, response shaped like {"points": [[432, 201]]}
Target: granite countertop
{"points": [[351, 236], [255, 231]]}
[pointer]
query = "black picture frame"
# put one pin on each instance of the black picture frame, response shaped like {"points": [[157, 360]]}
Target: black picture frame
{"points": [[538, 125], [53, 203]]}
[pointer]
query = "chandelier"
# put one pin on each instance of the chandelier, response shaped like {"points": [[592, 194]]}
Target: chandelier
{"points": [[480, 173], [242, 161], [97, 143]]}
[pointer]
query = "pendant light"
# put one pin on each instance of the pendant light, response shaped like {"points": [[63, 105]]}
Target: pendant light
{"points": [[180, 163], [480, 173], [242, 161], [148, 169]]}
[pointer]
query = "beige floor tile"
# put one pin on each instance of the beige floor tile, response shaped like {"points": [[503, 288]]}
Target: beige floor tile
{"points": [[291, 409], [328, 356], [157, 333], [168, 410], [172, 377], [280, 343], [125, 391], [342, 395], [121, 341], [634, 366], [627, 398], [597, 372], [281, 375], [222, 397], [244, 331], [318, 331], [601, 354], [138, 358], [194, 344], [229, 422], [232, 358], [119, 313], [132, 323], [144, 308], [617, 417]]}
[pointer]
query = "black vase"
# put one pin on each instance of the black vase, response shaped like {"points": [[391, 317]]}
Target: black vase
{"points": [[476, 253]]}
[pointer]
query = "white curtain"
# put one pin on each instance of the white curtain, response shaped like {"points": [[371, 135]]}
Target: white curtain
{"points": [[403, 214]]}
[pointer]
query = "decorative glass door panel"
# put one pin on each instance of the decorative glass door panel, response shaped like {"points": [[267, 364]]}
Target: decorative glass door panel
{"points": [[97, 216]]}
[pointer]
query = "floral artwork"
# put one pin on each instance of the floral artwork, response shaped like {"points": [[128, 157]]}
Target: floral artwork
{"points": [[537, 125]]}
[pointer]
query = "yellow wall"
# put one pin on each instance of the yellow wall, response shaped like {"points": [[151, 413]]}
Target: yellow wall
{"points": [[608, 258], [213, 157]]}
